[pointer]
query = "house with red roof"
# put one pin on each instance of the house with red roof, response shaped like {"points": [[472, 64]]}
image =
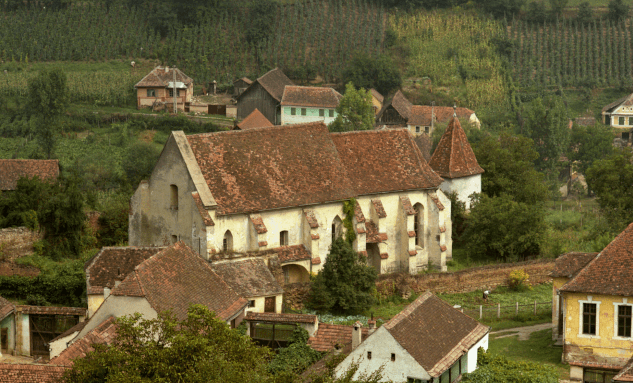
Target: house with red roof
{"points": [[428, 341], [160, 84], [282, 189], [264, 94], [597, 310], [12, 170], [455, 161], [300, 104], [254, 120]]}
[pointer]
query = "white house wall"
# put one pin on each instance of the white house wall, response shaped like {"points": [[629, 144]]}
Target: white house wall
{"points": [[381, 345], [261, 301], [472, 353], [464, 186], [312, 115], [60, 345]]}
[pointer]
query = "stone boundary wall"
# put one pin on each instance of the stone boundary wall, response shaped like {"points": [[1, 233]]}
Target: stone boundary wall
{"points": [[463, 281], [17, 242], [8, 269]]}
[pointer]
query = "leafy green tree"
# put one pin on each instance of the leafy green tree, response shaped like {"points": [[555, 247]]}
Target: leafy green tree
{"points": [[47, 99], [501, 8], [261, 20], [500, 228], [355, 111], [294, 358], [557, 7], [114, 221], [547, 124], [378, 72], [200, 348], [618, 10], [611, 179], [536, 12], [588, 144], [20, 206], [585, 13], [345, 283], [498, 369], [509, 169], [139, 161]]}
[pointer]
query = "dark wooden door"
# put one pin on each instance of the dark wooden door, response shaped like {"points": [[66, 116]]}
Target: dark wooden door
{"points": [[269, 305], [4, 339]]}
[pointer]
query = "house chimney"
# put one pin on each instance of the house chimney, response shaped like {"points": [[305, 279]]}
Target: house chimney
{"points": [[356, 335], [166, 69]]}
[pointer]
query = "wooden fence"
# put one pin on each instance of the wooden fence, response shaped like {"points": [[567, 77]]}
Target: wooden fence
{"points": [[509, 311]]}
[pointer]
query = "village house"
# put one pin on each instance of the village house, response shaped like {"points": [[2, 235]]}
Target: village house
{"points": [[12, 170], [264, 94], [597, 304], [619, 115], [274, 330], [301, 104], [376, 100], [455, 161], [158, 86], [428, 341], [250, 191], [420, 119], [240, 85]]}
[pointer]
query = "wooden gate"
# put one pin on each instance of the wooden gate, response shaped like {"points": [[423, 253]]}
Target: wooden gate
{"points": [[269, 304], [44, 328], [217, 109]]}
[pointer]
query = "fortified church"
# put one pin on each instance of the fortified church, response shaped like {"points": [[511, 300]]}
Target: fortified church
{"points": [[289, 191]]}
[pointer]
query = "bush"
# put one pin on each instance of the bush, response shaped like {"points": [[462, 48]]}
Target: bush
{"points": [[498, 369], [518, 280]]}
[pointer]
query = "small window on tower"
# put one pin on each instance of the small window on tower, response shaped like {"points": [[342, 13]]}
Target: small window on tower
{"points": [[174, 197], [283, 238]]}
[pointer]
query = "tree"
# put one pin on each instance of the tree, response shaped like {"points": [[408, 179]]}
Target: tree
{"points": [[588, 144], [47, 99], [557, 7], [585, 13], [378, 72], [536, 12], [355, 111], [200, 348], [509, 169], [139, 161], [501, 8], [611, 179], [345, 283], [295, 357], [261, 20], [498, 369], [502, 229], [618, 11]]}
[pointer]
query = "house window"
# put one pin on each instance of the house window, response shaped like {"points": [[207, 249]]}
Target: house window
{"points": [[174, 238], [393, 357], [336, 228], [624, 321], [417, 129], [234, 323], [418, 225], [293, 111], [173, 189], [151, 93], [251, 303], [171, 93], [426, 129], [621, 120], [227, 242], [589, 318], [322, 113], [630, 120], [303, 111], [331, 113], [591, 376], [625, 136], [283, 238], [368, 354]]}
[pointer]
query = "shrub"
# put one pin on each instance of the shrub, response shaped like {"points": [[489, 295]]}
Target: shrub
{"points": [[518, 280]]}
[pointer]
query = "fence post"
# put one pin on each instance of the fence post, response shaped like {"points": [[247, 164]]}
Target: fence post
{"points": [[498, 310], [517, 309], [481, 312], [534, 307]]}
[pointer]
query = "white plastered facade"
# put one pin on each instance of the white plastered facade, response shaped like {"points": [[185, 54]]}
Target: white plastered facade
{"points": [[464, 186]]}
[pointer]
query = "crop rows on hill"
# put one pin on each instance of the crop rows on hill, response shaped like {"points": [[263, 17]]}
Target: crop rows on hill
{"points": [[571, 54]]}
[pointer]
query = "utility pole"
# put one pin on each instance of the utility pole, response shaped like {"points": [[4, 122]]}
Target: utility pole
{"points": [[175, 92]]}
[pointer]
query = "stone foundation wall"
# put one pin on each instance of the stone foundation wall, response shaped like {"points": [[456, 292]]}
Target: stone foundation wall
{"points": [[17, 242]]}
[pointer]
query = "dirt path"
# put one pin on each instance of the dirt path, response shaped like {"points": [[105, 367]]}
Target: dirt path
{"points": [[523, 332]]}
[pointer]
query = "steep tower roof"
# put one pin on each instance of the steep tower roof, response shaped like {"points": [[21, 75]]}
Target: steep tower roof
{"points": [[453, 157]]}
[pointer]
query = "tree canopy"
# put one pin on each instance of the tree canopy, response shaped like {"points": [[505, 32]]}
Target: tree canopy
{"points": [[355, 111], [345, 283], [588, 144], [498, 369], [378, 72]]}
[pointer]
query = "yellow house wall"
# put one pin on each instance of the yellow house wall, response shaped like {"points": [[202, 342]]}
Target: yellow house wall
{"points": [[260, 303], [94, 301], [376, 104], [557, 283], [604, 347]]}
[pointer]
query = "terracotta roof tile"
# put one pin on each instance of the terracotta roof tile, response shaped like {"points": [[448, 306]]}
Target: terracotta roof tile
{"points": [[273, 82], [318, 97], [112, 264], [400, 103], [384, 255], [159, 77], [12, 170], [176, 277], [104, 333], [406, 205], [626, 373], [434, 333], [262, 243], [258, 222], [311, 218], [443, 248], [569, 264], [389, 159], [377, 95], [423, 141], [421, 114], [316, 261], [411, 234], [249, 277], [206, 218], [453, 157], [437, 201], [373, 236], [443, 229], [380, 210], [29, 373], [281, 318], [6, 308], [358, 213], [76, 328], [315, 236], [255, 120], [285, 253], [609, 273], [51, 310], [331, 336]]}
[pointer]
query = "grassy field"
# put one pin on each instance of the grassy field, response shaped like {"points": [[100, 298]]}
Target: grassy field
{"points": [[538, 348]]}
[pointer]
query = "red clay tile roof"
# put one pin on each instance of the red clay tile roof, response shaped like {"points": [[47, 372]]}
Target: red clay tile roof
{"points": [[423, 141], [406, 205], [281, 318], [377, 95], [268, 168], [314, 236], [273, 82], [421, 114], [30, 373], [6, 308], [76, 328], [453, 157], [249, 277], [437, 201], [176, 277], [401, 104], [158, 77], [330, 336], [51, 310], [12, 170], [380, 161], [384, 255], [569, 264], [358, 213], [262, 243], [316, 261], [258, 222], [292, 253], [254, 120], [373, 236], [112, 264], [434, 333], [609, 273], [626, 373], [311, 218], [206, 218], [104, 333], [318, 97], [380, 210]]}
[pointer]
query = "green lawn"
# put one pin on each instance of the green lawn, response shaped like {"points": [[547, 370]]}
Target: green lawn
{"points": [[539, 348]]}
